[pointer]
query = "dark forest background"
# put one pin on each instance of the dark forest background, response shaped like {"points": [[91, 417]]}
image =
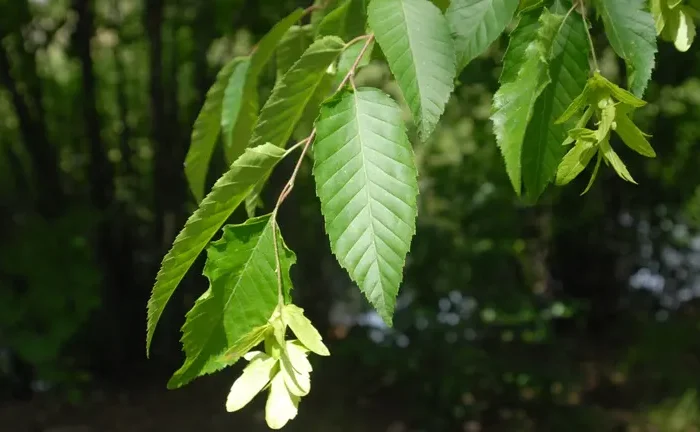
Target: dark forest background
{"points": [[576, 314]]}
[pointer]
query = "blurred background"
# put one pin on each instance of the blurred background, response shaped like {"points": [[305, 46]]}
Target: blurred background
{"points": [[576, 314]]}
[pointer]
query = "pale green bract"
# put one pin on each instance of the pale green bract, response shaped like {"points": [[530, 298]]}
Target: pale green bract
{"points": [[568, 68], [415, 38], [475, 24], [632, 34], [304, 330], [289, 97], [366, 181], [514, 102], [228, 192], [243, 294]]}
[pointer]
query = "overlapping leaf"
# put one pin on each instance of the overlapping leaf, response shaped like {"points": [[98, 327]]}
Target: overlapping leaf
{"points": [[475, 24], [206, 131], [291, 47], [366, 181], [568, 69], [228, 192], [415, 38], [346, 21], [631, 32], [289, 98], [242, 295], [239, 106], [514, 102]]}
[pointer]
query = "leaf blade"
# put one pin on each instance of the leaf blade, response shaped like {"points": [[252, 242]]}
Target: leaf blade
{"points": [[228, 192], [476, 24], [410, 31], [369, 204], [632, 34]]}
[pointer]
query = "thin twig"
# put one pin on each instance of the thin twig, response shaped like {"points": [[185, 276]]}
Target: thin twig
{"points": [[586, 25], [287, 189]]}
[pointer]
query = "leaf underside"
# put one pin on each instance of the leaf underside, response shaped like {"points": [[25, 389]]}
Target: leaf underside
{"points": [[409, 33], [366, 180], [227, 194]]}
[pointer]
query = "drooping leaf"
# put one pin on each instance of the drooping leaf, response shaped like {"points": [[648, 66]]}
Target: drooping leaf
{"points": [[614, 160], [366, 180], [514, 102], [599, 158], [304, 330], [228, 192], [285, 106], [542, 150], [475, 24], [242, 125], [632, 34], [415, 38], [237, 103], [242, 296], [291, 47], [206, 131], [632, 136], [282, 406], [575, 161]]}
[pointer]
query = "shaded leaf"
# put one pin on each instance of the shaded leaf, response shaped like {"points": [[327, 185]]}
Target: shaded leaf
{"points": [[291, 47]]}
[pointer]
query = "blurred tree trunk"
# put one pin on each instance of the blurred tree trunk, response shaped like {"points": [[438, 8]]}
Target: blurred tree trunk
{"points": [[42, 153]]}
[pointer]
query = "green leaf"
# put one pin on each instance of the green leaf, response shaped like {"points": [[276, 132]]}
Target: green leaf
{"points": [[228, 192], [415, 38], [291, 47], [255, 377], [519, 40], [248, 115], [475, 24], [289, 98], [617, 92], [575, 161], [542, 150], [366, 180], [632, 136], [304, 330], [514, 102], [632, 34], [615, 161], [595, 173], [242, 296], [346, 21], [237, 103], [348, 57], [206, 131]]}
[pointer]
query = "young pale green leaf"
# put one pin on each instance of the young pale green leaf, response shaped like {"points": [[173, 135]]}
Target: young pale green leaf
{"points": [[289, 98], [304, 330], [282, 406], [366, 180], [631, 32], [599, 157], [580, 124], [255, 377], [228, 192], [615, 161], [514, 102], [607, 119], [415, 38], [206, 131], [542, 150], [575, 161], [685, 31], [242, 296], [475, 24], [291, 47], [633, 137], [242, 125], [298, 382]]}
